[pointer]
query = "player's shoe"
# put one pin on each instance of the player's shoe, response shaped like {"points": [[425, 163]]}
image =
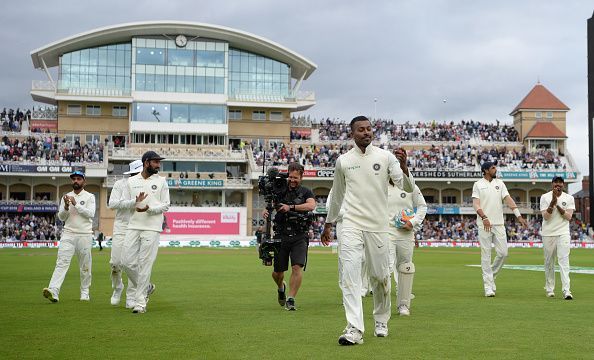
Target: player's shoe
{"points": [[381, 329], [550, 294], [489, 293], [351, 336], [130, 304], [150, 290], [281, 296], [139, 309], [290, 304], [48, 294], [85, 297], [403, 310], [567, 295], [116, 297]]}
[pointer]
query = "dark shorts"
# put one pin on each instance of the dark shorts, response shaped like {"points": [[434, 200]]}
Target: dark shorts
{"points": [[294, 249]]}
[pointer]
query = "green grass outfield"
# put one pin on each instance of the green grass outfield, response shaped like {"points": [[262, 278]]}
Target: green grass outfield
{"points": [[221, 304]]}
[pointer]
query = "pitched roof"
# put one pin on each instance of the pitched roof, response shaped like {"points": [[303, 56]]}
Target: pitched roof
{"points": [[545, 130], [540, 98]]}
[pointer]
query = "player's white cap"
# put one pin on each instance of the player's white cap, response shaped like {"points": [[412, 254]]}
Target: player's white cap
{"points": [[135, 167]]}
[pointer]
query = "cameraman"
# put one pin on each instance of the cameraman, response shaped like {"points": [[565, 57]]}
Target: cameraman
{"points": [[291, 227]]}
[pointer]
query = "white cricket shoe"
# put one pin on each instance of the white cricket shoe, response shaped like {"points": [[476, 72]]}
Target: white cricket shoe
{"points": [[139, 309], [130, 304], [48, 294], [150, 290], [489, 293], [567, 295], [351, 336], [116, 297], [85, 297], [403, 310], [381, 329], [550, 294]]}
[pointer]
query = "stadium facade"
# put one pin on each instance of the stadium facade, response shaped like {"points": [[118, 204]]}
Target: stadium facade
{"points": [[208, 98], [192, 92]]}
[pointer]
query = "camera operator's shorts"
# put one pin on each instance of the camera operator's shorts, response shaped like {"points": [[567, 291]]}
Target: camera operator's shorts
{"points": [[294, 249]]}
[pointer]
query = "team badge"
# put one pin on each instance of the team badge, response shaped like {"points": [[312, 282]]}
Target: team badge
{"points": [[82, 203], [497, 187], [154, 187], [564, 203], [376, 167], [402, 195]]}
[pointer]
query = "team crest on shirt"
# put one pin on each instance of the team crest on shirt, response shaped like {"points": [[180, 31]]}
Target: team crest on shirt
{"points": [[154, 187], [376, 166], [564, 203], [82, 202], [496, 187], [402, 195]]}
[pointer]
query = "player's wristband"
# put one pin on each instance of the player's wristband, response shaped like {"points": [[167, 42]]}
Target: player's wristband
{"points": [[484, 217], [517, 212]]}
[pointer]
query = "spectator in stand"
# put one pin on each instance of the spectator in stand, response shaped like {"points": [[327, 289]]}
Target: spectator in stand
{"points": [[28, 227], [44, 149], [450, 157]]}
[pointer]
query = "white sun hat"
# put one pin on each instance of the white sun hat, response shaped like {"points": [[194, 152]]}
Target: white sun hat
{"points": [[135, 167]]}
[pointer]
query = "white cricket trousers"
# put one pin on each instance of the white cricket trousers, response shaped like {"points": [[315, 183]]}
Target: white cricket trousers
{"points": [[556, 246], [140, 252], [70, 244], [374, 246], [401, 251], [364, 277], [498, 237], [117, 263]]}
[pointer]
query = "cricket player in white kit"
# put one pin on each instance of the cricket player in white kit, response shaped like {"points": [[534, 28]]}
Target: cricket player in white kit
{"points": [[361, 186], [488, 195], [141, 243], [365, 290], [120, 201], [77, 210], [402, 240], [557, 208]]}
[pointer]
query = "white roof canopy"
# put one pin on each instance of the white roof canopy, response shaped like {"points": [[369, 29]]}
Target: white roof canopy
{"points": [[51, 53]]}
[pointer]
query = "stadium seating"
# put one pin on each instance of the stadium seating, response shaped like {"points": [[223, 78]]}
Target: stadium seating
{"points": [[24, 227], [48, 150]]}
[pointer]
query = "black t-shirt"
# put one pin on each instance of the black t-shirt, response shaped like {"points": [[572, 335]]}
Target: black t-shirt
{"points": [[296, 196]]}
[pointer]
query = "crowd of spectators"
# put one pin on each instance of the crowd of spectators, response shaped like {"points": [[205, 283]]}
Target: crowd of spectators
{"points": [[12, 120], [26, 227], [48, 149], [300, 135], [442, 157], [464, 228], [331, 130], [207, 203]]}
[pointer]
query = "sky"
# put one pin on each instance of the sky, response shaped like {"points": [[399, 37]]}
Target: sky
{"points": [[481, 57]]}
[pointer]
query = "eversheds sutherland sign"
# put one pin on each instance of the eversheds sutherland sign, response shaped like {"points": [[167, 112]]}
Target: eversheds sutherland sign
{"points": [[31, 169], [446, 174]]}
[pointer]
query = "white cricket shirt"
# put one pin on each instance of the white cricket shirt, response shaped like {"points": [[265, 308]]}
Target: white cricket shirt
{"points": [[399, 200], [123, 204], [157, 199], [491, 195], [557, 224], [361, 187], [78, 219]]}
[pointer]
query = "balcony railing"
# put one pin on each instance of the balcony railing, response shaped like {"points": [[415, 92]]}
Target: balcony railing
{"points": [[42, 85], [258, 96], [94, 92], [171, 153]]}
